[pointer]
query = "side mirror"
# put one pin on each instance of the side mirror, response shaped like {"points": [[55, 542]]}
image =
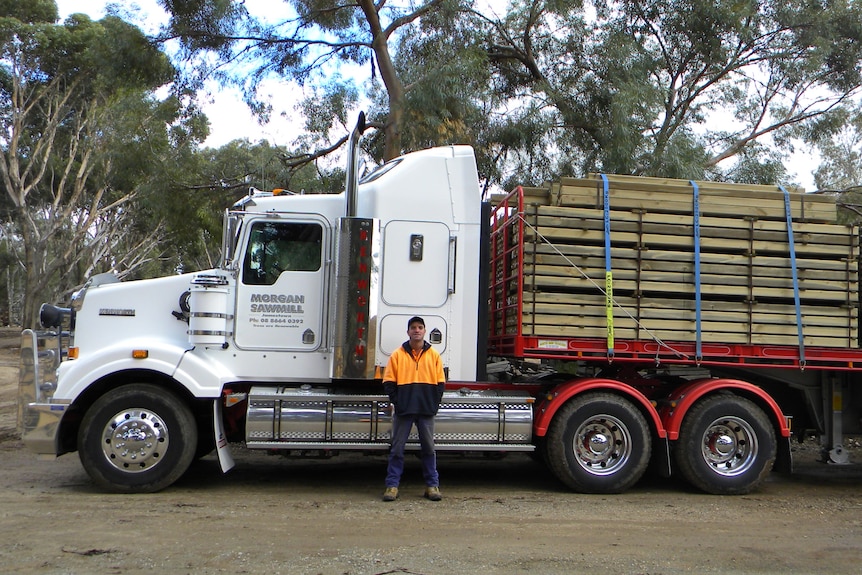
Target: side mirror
{"points": [[52, 316]]}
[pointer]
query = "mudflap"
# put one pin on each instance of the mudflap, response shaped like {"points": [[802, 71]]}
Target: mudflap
{"points": [[660, 464], [784, 457], [225, 458]]}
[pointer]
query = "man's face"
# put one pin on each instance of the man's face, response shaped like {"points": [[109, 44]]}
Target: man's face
{"points": [[416, 332]]}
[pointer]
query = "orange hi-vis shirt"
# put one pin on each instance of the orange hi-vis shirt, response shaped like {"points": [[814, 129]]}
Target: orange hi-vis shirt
{"points": [[414, 381]]}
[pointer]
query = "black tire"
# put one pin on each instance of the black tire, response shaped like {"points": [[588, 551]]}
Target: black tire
{"points": [[137, 439], [598, 443], [726, 445]]}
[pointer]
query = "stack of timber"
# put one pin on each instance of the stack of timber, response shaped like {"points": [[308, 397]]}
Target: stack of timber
{"points": [[746, 272]]}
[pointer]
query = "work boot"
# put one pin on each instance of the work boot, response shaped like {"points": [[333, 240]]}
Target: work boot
{"points": [[391, 494], [432, 492]]}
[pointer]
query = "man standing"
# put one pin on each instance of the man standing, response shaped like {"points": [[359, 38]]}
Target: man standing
{"points": [[414, 382]]}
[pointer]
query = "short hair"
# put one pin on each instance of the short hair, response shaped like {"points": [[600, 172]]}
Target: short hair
{"points": [[415, 319]]}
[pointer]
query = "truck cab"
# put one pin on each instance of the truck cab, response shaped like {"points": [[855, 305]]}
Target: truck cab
{"points": [[281, 346]]}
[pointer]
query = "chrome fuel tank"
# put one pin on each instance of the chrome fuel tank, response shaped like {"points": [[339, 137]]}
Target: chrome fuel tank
{"points": [[308, 417]]}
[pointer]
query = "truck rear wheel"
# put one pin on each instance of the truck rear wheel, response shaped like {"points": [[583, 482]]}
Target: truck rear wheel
{"points": [[137, 439], [726, 445], [598, 443]]}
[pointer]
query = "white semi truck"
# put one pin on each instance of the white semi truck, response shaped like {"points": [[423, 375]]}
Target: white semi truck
{"points": [[280, 347]]}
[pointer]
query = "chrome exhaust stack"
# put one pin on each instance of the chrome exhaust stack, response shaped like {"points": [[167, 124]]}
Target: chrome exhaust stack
{"points": [[352, 183]]}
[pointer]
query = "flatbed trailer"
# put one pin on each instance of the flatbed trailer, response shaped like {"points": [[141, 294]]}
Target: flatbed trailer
{"points": [[816, 384]]}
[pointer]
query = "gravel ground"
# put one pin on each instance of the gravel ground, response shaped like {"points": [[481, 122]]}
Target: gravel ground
{"points": [[274, 515]]}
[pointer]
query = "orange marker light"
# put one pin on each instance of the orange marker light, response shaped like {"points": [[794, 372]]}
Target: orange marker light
{"points": [[140, 353]]}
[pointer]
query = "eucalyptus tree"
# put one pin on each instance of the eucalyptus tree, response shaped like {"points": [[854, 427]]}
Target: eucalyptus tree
{"points": [[673, 87], [839, 144], [444, 64], [306, 41], [80, 132]]}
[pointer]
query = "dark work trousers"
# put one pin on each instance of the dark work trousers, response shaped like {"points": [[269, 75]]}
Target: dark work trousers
{"points": [[401, 427]]}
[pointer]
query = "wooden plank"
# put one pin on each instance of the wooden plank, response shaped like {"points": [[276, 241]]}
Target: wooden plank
{"points": [[687, 305], [658, 317], [626, 257], [531, 195], [672, 279], [671, 336], [689, 326], [740, 319], [771, 205], [663, 241], [658, 206], [745, 268], [738, 221], [741, 316], [569, 266], [731, 228], [675, 196], [626, 287], [728, 189]]}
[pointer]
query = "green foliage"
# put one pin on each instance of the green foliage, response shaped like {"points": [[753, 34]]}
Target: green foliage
{"points": [[194, 191], [671, 87], [841, 166], [668, 87], [757, 164], [205, 24], [82, 142], [444, 68], [328, 108], [30, 12]]}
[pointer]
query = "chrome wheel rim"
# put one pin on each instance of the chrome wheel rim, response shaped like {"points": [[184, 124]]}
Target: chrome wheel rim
{"points": [[729, 446], [602, 445], [134, 440]]}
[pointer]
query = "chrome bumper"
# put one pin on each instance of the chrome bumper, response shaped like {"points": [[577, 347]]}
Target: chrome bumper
{"points": [[39, 416]]}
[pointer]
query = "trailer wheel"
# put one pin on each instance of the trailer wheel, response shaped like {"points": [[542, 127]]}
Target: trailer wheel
{"points": [[598, 443], [137, 439], [726, 445]]}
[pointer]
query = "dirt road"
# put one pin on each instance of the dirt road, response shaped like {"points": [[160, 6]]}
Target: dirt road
{"points": [[272, 515]]}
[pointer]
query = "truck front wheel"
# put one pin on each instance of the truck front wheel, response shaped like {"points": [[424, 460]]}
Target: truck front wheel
{"points": [[726, 445], [598, 443], [137, 439]]}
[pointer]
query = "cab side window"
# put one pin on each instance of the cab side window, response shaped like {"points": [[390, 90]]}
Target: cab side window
{"points": [[276, 247]]}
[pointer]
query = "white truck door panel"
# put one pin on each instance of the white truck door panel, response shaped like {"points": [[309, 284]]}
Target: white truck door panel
{"points": [[393, 332], [280, 289], [415, 264]]}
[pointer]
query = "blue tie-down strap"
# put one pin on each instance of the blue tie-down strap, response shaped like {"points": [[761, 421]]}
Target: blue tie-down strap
{"points": [[697, 306], [789, 216], [609, 278]]}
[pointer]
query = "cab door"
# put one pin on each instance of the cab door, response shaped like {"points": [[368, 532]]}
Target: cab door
{"points": [[281, 285]]}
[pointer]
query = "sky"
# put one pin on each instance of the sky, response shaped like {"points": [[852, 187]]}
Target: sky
{"points": [[230, 118]]}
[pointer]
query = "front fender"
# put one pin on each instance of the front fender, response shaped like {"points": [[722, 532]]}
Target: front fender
{"points": [[75, 376], [203, 375], [557, 397]]}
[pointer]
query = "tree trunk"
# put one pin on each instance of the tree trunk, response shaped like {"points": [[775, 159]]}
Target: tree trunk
{"points": [[394, 86]]}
